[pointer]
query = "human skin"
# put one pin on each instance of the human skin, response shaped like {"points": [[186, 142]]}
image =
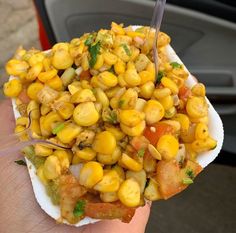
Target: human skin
{"points": [[19, 211]]}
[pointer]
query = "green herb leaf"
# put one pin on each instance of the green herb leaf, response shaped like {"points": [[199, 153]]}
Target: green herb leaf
{"points": [[20, 162], [187, 181], [190, 173], [94, 50], [89, 40], [159, 77], [121, 103], [141, 152], [79, 208], [112, 118], [126, 48], [58, 128], [175, 65]]}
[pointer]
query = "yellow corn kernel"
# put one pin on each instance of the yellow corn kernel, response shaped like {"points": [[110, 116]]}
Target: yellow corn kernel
{"points": [[104, 143], [110, 58], [85, 114], [47, 64], [36, 58], [85, 95], [184, 122], [190, 153], [85, 62], [201, 131], [131, 118], [168, 146], [134, 131], [152, 192], [147, 89], [44, 109], [45, 132], [130, 163], [121, 53], [121, 81], [85, 84], [50, 120], [66, 110], [24, 121], [154, 111], [51, 167], [120, 67], [197, 107], [204, 120], [62, 59], [109, 197], [63, 158], [129, 99], [108, 79], [134, 53], [140, 177], [47, 75], [34, 72], [168, 83], [41, 150], [122, 39], [132, 78], [134, 34], [163, 39], [90, 174], [35, 127], [201, 145], [167, 102], [33, 110], [175, 124], [170, 112], [74, 87], [118, 134], [141, 62], [140, 104], [12, 88], [86, 154], [117, 29], [99, 63], [129, 193], [55, 83], [111, 158], [101, 97], [199, 90], [69, 133], [161, 93], [20, 52], [41, 175], [120, 172], [154, 152], [109, 183], [19, 128], [76, 160], [146, 76], [61, 45], [112, 91]]}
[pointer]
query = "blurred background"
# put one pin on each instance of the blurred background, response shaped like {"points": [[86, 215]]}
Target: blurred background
{"points": [[203, 34]]}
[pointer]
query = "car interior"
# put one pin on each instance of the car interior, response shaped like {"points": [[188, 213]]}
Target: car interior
{"points": [[203, 35]]}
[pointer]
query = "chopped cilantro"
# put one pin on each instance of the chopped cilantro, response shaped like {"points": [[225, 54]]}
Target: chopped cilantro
{"points": [[141, 152], [126, 48], [190, 174], [20, 162], [89, 40], [175, 65], [58, 128], [159, 77], [187, 181], [79, 208], [121, 103], [112, 118], [94, 50]]}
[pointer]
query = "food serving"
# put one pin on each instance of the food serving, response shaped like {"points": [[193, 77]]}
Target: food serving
{"points": [[129, 136]]}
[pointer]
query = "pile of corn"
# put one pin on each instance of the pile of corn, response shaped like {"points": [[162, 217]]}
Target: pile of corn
{"points": [[98, 95]]}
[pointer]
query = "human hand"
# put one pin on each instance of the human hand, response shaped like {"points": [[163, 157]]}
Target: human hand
{"points": [[20, 213]]}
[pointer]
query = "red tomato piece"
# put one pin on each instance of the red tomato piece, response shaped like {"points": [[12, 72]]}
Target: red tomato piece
{"points": [[184, 93], [85, 75]]}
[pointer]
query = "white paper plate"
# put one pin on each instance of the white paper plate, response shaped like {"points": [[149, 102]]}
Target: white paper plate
{"points": [[215, 129]]}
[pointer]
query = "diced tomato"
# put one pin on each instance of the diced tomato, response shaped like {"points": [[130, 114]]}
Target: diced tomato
{"points": [[23, 97], [184, 93], [85, 75], [114, 210], [155, 131]]}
